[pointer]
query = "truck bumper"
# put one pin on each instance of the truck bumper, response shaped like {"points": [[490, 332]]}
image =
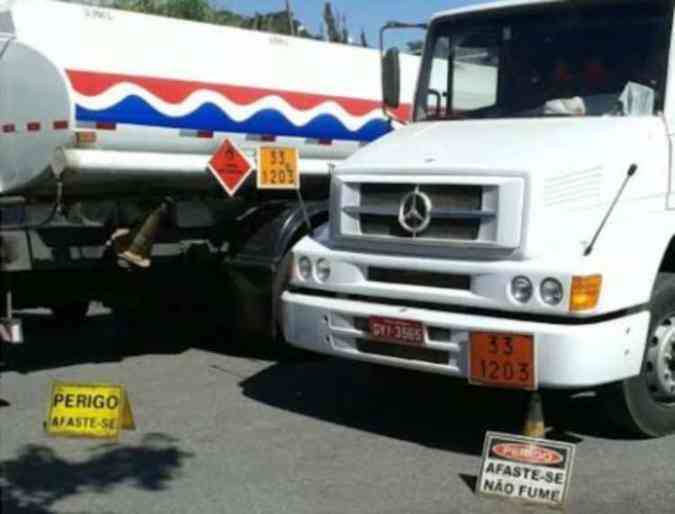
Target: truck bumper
{"points": [[566, 355]]}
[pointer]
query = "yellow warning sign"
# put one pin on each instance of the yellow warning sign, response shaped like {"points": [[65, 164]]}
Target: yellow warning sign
{"points": [[89, 410], [278, 168]]}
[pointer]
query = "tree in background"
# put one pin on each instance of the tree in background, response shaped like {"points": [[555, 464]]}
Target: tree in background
{"points": [[364, 39], [196, 10], [416, 47], [332, 30], [200, 10], [280, 22], [336, 25]]}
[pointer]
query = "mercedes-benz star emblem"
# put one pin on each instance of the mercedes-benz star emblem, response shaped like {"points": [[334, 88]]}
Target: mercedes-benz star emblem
{"points": [[414, 214]]}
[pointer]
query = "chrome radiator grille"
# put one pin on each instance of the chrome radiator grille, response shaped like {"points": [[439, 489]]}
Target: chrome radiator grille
{"points": [[452, 211], [456, 211]]}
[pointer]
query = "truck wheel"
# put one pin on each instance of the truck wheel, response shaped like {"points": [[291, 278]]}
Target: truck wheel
{"points": [[70, 313], [645, 404]]}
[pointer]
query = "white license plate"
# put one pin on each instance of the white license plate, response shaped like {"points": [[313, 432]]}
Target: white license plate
{"points": [[396, 330]]}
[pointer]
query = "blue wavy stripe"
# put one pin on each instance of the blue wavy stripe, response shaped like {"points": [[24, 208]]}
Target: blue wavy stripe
{"points": [[136, 111]]}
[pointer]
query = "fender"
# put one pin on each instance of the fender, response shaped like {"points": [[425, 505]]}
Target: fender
{"points": [[630, 254], [254, 265], [267, 230]]}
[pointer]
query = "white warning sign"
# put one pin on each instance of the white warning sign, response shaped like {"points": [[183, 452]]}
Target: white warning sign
{"points": [[526, 469]]}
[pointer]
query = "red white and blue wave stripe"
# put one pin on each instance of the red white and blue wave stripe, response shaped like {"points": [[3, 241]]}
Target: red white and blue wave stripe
{"points": [[155, 102]]}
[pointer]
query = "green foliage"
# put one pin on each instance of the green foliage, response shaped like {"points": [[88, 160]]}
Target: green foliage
{"points": [[277, 22], [334, 33], [416, 47], [200, 10], [197, 10], [227, 18], [364, 39], [336, 26]]}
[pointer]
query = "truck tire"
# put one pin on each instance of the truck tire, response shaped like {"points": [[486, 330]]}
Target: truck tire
{"points": [[70, 313], [645, 405]]}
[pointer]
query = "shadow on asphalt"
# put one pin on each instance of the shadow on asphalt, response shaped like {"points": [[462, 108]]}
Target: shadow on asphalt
{"points": [[107, 337], [38, 478], [425, 409], [421, 408], [100, 338], [469, 480]]}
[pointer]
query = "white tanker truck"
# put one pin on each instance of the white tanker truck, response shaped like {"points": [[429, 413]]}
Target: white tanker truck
{"points": [[108, 120], [521, 239]]}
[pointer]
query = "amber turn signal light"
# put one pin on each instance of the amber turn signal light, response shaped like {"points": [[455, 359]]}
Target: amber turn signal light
{"points": [[585, 292]]}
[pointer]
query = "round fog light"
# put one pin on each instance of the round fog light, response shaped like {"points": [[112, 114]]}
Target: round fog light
{"points": [[322, 270], [551, 291], [304, 267], [521, 289]]}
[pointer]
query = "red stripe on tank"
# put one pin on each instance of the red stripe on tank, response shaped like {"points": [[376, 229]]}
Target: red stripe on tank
{"points": [[105, 125], [177, 91]]}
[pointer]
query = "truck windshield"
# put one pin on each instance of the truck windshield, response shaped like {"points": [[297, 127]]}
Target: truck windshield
{"points": [[562, 61]]}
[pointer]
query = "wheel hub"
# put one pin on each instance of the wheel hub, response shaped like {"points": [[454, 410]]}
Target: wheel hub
{"points": [[660, 362]]}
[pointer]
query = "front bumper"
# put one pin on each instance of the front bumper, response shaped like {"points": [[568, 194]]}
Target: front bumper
{"points": [[573, 356]]}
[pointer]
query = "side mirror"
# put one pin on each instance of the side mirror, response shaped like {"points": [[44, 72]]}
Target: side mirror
{"points": [[391, 79]]}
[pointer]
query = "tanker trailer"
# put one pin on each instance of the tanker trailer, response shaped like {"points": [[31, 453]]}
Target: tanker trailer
{"points": [[108, 121]]}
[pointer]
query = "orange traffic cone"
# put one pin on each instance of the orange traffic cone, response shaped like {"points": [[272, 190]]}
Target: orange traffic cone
{"points": [[534, 423], [137, 248]]}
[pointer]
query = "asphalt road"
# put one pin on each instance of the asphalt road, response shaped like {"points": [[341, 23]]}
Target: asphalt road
{"points": [[225, 426]]}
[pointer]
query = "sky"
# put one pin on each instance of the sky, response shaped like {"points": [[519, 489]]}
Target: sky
{"points": [[369, 15]]}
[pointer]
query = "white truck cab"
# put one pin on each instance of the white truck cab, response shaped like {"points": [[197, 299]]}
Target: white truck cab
{"points": [[519, 232]]}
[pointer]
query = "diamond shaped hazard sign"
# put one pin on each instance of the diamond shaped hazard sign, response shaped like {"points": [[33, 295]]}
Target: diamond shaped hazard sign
{"points": [[230, 166]]}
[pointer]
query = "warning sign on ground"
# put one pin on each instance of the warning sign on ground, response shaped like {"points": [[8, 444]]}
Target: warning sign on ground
{"points": [[526, 469], [230, 166], [85, 410]]}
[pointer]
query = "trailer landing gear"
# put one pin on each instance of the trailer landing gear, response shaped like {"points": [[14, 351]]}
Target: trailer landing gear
{"points": [[11, 330]]}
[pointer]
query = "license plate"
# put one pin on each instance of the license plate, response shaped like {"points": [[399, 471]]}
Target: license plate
{"points": [[278, 168], [502, 360], [396, 330]]}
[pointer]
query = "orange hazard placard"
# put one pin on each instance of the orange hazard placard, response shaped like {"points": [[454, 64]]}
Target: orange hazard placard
{"points": [[278, 168], [230, 167], [502, 360]]}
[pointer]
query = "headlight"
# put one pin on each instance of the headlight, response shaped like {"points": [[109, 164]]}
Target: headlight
{"points": [[322, 270], [304, 267], [551, 291], [521, 289]]}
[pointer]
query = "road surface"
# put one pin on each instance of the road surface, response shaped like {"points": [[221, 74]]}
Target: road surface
{"points": [[226, 426]]}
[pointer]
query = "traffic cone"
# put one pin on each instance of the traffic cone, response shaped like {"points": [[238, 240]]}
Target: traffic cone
{"points": [[138, 249], [120, 240], [534, 423]]}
